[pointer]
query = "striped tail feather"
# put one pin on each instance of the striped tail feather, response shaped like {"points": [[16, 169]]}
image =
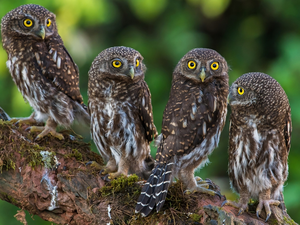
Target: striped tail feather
{"points": [[163, 184], [156, 188]]}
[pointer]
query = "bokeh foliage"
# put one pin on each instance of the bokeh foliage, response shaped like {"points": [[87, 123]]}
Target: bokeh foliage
{"points": [[256, 35]]}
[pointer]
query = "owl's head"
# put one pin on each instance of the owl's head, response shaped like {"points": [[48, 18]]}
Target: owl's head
{"points": [[257, 93], [202, 65], [30, 21], [118, 63]]}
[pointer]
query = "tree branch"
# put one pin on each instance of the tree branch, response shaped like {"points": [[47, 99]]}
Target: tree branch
{"points": [[49, 178]]}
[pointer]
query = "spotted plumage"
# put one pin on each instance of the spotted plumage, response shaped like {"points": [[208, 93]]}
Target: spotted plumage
{"points": [[121, 112], [192, 123], [259, 141], [42, 68]]}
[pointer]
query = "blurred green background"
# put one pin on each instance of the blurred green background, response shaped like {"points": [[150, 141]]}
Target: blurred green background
{"points": [[256, 35]]}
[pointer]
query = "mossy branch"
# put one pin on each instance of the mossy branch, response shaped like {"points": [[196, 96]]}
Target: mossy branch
{"points": [[49, 178]]}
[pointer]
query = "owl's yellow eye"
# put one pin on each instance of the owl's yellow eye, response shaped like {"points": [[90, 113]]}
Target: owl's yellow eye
{"points": [[28, 23], [192, 65], [240, 90], [116, 63], [48, 22], [214, 66], [137, 63]]}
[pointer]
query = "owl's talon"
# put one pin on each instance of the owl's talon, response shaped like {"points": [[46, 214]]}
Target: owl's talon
{"points": [[89, 163], [224, 203], [266, 204], [103, 172], [106, 178], [219, 194], [257, 213], [92, 164]]}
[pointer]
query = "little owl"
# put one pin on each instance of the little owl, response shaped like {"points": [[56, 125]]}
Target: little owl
{"points": [[121, 112], [259, 141], [42, 69], [192, 123]]}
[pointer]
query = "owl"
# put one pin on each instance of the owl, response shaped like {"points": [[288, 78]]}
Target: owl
{"points": [[259, 141], [121, 112], [192, 123], [42, 69]]}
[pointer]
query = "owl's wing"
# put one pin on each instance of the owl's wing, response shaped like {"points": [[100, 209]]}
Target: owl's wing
{"points": [[61, 70], [188, 119], [146, 114], [288, 131]]}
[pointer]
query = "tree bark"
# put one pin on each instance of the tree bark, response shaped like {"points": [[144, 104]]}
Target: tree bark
{"points": [[50, 178]]}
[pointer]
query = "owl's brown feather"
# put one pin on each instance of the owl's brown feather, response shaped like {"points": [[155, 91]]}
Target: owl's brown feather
{"points": [[146, 111], [60, 69]]}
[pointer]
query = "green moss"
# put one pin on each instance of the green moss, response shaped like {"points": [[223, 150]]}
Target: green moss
{"points": [[8, 198], [273, 221], [75, 153], [289, 221], [119, 184], [195, 217]]}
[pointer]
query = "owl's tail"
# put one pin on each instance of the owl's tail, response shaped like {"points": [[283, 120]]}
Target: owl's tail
{"points": [[81, 114], [154, 192]]}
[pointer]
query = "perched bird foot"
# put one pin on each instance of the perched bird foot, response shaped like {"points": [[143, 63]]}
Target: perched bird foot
{"points": [[266, 204], [23, 121], [241, 206], [207, 183], [94, 164], [112, 176], [203, 188], [108, 173], [44, 131]]}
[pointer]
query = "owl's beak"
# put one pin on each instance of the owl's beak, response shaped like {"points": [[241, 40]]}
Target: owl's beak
{"points": [[130, 72], [41, 32], [203, 74]]}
